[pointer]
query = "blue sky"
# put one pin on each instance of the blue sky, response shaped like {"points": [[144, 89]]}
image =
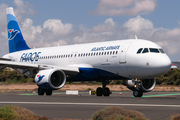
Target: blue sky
{"points": [[80, 21]]}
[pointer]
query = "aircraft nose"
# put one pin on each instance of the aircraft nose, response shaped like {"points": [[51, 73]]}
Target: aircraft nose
{"points": [[164, 64]]}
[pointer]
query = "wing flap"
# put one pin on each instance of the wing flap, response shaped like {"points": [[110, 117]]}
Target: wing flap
{"points": [[69, 70]]}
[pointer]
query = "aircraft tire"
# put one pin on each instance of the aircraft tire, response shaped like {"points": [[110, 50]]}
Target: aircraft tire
{"points": [[48, 92], [40, 91], [99, 91], [137, 93], [106, 91]]}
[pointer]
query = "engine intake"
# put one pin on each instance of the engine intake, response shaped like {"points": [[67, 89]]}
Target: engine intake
{"points": [[146, 85], [50, 79]]}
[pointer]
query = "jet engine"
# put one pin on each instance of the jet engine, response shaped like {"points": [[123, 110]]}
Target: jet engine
{"points": [[146, 85], [50, 79]]}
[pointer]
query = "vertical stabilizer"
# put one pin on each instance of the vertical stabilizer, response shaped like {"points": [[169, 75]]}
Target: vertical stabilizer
{"points": [[15, 38]]}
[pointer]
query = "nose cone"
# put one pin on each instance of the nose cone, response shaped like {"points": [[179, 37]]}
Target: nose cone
{"points": [[164, 64]]}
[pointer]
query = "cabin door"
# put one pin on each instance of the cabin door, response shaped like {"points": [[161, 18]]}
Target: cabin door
{"points": [[123, 52]]}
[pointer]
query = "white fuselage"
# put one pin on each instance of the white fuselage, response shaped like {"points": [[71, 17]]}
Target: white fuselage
{"points": [[118, 57]]}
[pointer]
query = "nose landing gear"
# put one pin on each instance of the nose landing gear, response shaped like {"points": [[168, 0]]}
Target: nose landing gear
{"points": [[104, 90], [137, 92]]}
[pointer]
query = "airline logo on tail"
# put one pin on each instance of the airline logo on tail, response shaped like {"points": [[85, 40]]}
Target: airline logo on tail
{"points": [[13, 33]]}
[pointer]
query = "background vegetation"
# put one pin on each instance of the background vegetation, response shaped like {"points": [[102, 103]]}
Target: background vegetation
{"points": [[117, 113], [172, 77], [12, 77], [18, 113]]}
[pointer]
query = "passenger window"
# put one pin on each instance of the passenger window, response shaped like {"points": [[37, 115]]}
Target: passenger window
{"points": [[154, 50], [139, 51], [108, 53], [161, 50], [91, 54], [99, 53], [113, 52], [75, 55], [145, 50], [94, 54], [104, 53], [116, 52]]}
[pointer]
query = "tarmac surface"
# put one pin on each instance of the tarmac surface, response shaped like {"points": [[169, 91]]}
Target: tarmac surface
{"points": [[154, 105]]}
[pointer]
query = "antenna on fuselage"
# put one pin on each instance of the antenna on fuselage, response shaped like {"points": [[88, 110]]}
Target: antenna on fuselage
{"points": [[136, 37]]}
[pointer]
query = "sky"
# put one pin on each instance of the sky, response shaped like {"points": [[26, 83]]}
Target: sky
{"points": [[65, 22]]}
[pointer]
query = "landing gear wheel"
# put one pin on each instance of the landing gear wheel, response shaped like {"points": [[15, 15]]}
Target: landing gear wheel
{"points": [[40, 91], [137, 93], [48, 92], [99, 91], [106, 91]]}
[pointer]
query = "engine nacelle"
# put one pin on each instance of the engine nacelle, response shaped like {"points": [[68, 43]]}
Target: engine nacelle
{"points": [[146, 85], [50, 79]]}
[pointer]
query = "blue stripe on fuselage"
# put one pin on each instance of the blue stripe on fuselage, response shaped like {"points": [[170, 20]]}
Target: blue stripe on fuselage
{"points": [[93, 74]]}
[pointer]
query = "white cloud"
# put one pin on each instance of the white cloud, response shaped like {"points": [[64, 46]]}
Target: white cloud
{"points": [[108, 26], [54, 31], [143, 28], [57, 27], [22, 8], [137, 24], [124, 7]]}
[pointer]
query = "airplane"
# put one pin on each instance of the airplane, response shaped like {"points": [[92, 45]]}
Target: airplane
{"points": [[135, 61]]}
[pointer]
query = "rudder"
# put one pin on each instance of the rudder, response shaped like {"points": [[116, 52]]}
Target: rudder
{"points": [[15, 37]]}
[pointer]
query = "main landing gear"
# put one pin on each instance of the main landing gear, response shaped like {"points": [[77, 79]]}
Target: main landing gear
{"points": [[104, 90], [42, 91]]}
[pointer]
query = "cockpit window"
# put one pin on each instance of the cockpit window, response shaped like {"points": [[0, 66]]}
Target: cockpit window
{"points": [[161, 50], [145, 50], [139, 51], [154, 50]]}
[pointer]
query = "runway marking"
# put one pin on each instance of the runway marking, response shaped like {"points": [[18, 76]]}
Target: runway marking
{"points": [[52, 93], [96, 104], [161, 95], [37, 94]]}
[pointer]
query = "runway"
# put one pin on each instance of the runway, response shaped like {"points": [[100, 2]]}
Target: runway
{"points": [[154, 105]]}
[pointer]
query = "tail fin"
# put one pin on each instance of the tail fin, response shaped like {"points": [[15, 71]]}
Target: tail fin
{"points": [[15, 38]]}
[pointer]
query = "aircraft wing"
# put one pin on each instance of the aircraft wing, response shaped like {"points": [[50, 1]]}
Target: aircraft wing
{"points": [[69, 70]]}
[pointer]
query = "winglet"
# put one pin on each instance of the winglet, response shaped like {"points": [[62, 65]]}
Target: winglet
{"points": [[15, 37], [136, 37]]}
